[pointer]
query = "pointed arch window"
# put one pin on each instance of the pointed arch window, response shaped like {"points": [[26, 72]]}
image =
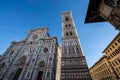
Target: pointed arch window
{"points": [[66, 33], [70, 33], [66, 25]]}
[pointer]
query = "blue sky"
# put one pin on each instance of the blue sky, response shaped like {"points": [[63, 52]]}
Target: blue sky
{"points": [[17, 17]]}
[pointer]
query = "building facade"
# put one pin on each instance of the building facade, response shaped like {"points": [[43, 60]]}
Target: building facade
{"points": [[73, 63], [108, 67], [102, 70], [33, 58], [112, 52], [104, 10]]}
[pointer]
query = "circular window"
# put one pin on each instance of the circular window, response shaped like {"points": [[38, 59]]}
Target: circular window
{"points": [[45, 50]]}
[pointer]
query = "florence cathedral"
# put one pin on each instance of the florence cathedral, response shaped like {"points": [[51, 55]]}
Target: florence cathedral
{"points": [[39, 56], [33, 58]]}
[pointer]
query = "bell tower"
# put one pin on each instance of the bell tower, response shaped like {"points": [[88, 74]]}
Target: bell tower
{"points": [[73, 63]]}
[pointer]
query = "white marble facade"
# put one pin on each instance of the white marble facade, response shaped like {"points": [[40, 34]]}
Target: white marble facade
{"points": [[33, 58]]}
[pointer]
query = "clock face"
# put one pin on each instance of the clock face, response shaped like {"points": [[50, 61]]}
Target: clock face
{"points": [[45, 50]]}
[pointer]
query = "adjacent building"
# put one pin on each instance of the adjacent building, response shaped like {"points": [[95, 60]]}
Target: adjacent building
{"points": [[108, 67], [73, 62], [104, 10], [112, 52], [34, 58], [102, 70]]}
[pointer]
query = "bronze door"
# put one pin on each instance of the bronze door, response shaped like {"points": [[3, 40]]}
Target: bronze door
{"points": [[40, 74]]}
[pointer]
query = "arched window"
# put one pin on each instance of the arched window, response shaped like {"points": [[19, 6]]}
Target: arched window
{"points": [[42, 64], [66, 25], [66, 33], [70, 33]]}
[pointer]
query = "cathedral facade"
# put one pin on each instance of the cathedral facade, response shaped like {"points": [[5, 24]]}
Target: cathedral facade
{"points": [[33, 58], [73, 62]]}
